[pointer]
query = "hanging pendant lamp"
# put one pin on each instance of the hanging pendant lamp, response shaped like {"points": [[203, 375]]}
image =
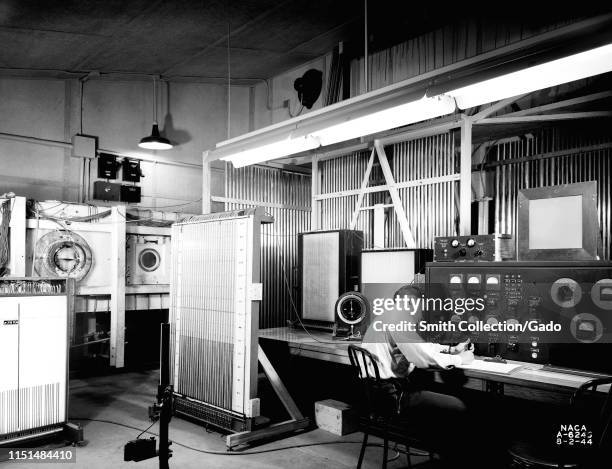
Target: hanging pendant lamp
{"points": [[155, 141]]}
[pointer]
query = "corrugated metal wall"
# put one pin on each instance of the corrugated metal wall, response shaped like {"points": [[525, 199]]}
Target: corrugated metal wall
{"points": [[439, 48], [286, 196], [429, 205], [343, 174], [547, 170]]}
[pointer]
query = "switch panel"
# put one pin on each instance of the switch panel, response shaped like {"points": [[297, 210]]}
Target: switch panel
{"points": [[473, 248], [109, 191], [575, 295], [107, 166], [130, 170], [130, 194]]}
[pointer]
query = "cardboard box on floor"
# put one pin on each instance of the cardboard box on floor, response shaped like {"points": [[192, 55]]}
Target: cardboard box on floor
{"points": [[336, 417]]}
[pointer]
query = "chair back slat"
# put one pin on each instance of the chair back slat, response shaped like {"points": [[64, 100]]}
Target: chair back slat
{"points": [[366, 369], [364, 362]]}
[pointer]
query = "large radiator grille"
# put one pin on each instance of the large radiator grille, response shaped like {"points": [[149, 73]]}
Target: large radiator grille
{"points": [[213, 320]]}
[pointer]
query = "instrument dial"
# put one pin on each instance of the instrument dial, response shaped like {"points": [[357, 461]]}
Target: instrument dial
{"points": [[352, 308]]}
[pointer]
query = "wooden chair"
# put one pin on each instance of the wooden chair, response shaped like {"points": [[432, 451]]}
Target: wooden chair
{"points": [[377, 419], [530, 455]]}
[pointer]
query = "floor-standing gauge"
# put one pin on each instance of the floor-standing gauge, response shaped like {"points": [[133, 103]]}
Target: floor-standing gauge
{"points": [[62, 254], [352, 312]]}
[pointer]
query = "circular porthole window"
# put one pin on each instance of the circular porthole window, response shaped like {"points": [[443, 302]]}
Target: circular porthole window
{"points": [[149, 260], [62, 254]]}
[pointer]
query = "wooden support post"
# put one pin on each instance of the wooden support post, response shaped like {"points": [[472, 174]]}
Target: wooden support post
{"points": [[277, 429], [483, 216], [397, 202], [297, 421], [206, 183], [278, 386], [364, 184], [117, 296], [315, 189], [465, 180], [379, 226], [17, 226]]}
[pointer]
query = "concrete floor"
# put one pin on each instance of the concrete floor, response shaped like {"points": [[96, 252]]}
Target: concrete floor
{"points": [[124, 398]]}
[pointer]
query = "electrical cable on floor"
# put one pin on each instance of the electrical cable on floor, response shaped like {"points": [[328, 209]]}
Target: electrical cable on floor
{"points": [[242, 453], [146, 430]]}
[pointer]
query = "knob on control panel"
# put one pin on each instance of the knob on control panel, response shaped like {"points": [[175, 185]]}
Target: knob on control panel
{"points": [[512, 347], [565, 293]]}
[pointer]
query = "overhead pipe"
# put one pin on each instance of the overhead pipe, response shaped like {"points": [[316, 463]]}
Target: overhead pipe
{"points": [[35, 140], [365, 46], [68, 145]]}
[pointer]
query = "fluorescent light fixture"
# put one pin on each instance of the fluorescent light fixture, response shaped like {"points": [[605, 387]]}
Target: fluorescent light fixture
{"points": [[395, 116], [390, 118], [571, 68], [271, 151]]}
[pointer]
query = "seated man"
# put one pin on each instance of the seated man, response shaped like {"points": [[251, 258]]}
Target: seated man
{"points": [[439, 419]]}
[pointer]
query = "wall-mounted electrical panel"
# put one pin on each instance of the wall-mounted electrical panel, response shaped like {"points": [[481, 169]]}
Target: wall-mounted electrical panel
{"points": [[107, 166]]}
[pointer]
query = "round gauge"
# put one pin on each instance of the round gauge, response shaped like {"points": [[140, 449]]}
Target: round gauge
{"points": [[352, 308], [471, 243], [601, 293], [455, 243]]}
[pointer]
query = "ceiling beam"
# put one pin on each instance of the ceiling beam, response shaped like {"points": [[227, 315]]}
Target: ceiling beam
{"points": [[561, 104], [12, 29], [544, 117], [223, 39], [541, 156], [45, 73], [322, 35], [498, 106], [120, 31]]}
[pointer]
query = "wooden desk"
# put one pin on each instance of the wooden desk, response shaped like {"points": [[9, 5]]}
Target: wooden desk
{"points": [[530, 382], [312, 344]]}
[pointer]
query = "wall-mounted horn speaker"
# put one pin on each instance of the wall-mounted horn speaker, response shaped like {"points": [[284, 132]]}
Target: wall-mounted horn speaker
{"points": [[308, 87]]}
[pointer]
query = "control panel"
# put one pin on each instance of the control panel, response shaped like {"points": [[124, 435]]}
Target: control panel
{"points": [[493, 247], [543, 309]]}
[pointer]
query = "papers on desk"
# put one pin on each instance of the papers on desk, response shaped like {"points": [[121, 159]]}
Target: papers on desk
{"points": [[492, 367]]}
